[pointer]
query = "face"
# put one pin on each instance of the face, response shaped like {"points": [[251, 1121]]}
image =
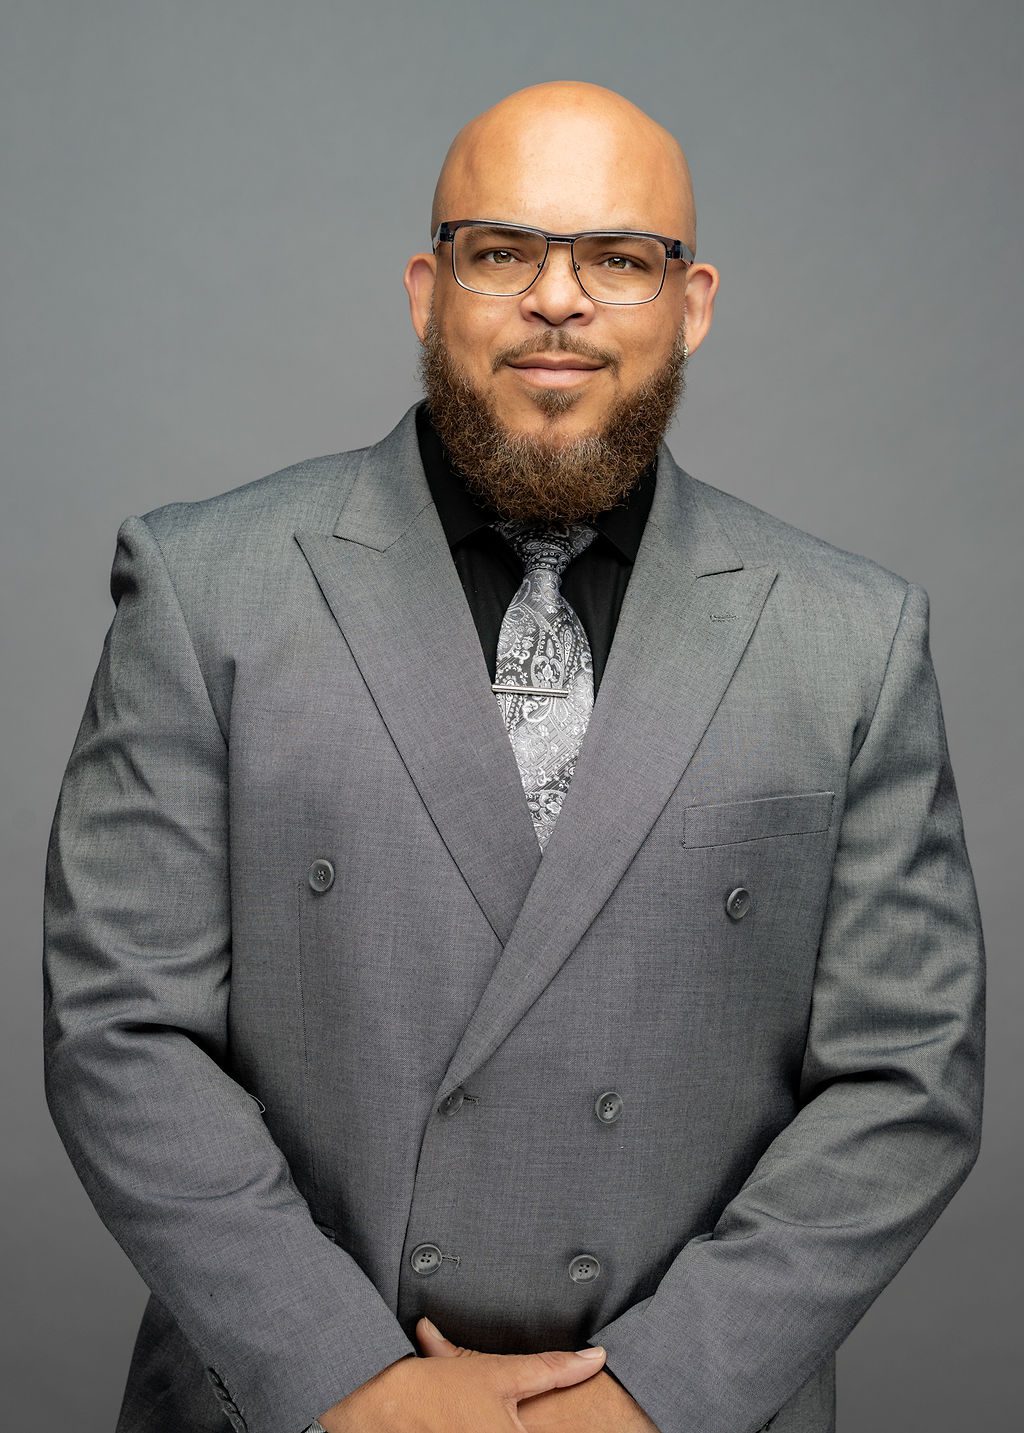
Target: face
{"points": [[563, 172], [552, 363]]}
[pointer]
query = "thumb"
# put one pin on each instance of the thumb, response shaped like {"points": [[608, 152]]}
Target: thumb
{"points": [[524, 1375], [433, 1342]]}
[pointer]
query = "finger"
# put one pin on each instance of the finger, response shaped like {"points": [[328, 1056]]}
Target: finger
{"points": [[523, 1375], [433, 1341]]}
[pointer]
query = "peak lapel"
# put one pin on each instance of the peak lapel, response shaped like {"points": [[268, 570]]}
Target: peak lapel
{"points": [[389, 579], [687, 616]]}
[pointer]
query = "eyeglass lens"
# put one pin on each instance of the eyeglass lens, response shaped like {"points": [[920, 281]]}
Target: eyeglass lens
{"points": [[612, 268]]}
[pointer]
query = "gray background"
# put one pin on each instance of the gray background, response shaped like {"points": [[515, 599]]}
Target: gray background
{"points": [[204, 214]]}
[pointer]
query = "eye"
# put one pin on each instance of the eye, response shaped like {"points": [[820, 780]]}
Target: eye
{"points": [[622, 263], [498, 257]]}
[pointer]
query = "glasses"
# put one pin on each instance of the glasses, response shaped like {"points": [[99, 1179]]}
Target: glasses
{"points": [[614, 266]]}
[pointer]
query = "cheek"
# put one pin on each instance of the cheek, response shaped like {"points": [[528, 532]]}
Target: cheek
{"points": [[464, 317], [646, 348], [473, 336]]}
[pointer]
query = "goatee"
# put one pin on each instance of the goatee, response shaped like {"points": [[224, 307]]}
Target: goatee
{"points": [[526, 477]]}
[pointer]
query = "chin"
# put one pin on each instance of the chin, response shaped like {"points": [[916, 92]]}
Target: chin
{"points": [[552, 416]]}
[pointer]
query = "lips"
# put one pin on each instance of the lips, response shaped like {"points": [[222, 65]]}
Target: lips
{"points": [[543, 360]]}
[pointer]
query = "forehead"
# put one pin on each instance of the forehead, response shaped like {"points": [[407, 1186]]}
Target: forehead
{"points": [[568, 174]]}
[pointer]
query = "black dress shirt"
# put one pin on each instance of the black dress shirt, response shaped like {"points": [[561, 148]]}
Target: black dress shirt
{"points": [[594, 583]]}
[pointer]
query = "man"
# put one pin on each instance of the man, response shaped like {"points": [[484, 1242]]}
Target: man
{"points": [[501, 878]]}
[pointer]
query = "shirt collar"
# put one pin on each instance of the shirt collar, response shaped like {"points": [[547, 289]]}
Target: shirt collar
{"points": [[462, 513]]}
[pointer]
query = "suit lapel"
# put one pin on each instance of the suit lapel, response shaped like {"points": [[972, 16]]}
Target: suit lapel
{"points": [[687, 616], [389, 579]]}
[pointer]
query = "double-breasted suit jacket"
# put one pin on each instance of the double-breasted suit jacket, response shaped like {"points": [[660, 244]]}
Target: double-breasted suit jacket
{"points": [[331, 1045]]}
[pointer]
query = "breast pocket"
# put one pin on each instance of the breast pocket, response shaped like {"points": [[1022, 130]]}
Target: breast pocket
{"points": [[726, 823]]}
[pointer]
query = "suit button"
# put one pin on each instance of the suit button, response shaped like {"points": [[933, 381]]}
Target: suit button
{"points": [[425, 1259], [453, 1103], [321, 876], [737, 903], [584, 1268], [608, 1107]]}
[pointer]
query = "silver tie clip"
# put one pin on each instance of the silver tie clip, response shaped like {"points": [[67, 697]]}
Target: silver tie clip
{"points": [[530, 691]]}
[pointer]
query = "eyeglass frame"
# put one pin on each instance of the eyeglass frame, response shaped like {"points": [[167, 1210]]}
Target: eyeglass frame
{"points": [[674, 249]]}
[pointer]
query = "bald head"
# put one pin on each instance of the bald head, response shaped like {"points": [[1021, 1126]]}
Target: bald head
{"points": [[565, 156]]}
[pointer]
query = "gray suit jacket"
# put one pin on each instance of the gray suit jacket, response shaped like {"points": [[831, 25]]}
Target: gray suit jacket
{"points": [[331, 1046]]}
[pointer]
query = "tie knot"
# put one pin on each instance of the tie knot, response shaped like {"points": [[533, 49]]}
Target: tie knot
{"points": [[550, 547]]}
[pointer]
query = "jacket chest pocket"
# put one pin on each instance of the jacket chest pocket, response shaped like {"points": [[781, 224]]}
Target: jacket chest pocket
{"points": [[759, 871], [726, 823]]}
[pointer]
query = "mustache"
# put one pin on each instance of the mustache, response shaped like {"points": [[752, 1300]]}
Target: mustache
{"points": [[554, 341]]}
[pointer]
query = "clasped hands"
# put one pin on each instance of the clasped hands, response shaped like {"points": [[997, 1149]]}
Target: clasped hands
{"points": [[597, 1405]]}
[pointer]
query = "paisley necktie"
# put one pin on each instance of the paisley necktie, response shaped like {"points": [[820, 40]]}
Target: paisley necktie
{"points": [[544, 674]]}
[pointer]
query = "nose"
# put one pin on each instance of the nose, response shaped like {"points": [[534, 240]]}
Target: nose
{"points": [[556, 295]]}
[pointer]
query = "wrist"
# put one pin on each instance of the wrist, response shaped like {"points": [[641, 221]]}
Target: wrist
{"points": [[350, 1414]]}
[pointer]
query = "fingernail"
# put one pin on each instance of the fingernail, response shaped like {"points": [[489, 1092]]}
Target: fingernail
{"points": [[432, 1328], [590, 1352]]}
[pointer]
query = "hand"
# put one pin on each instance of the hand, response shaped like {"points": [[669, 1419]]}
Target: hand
{"points": [[601, 1405], [464, 1392], [596, 1405]]}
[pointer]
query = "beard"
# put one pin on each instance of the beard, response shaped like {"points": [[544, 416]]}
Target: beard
{"points": [[538, 479]]}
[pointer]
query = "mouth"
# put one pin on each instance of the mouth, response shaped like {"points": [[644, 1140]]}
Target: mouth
{"points": [[550, 372]]}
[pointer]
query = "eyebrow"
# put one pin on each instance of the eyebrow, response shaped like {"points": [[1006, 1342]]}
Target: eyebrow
{"points": [[509, 228], [501, 229]]}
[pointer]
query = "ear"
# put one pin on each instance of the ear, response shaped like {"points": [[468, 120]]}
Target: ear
{"points": [[701, 288], [419, 276]]}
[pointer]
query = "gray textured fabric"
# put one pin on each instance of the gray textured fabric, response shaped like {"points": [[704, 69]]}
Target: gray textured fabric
{"points": [[544, 670], [250, 1065]]}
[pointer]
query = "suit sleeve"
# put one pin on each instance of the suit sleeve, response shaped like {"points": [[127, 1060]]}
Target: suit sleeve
{"points": [[889, 1115], [171, 1150]]}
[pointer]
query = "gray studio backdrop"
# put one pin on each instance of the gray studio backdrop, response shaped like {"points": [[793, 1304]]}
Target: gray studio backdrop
{"points": [[204, 213]]}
